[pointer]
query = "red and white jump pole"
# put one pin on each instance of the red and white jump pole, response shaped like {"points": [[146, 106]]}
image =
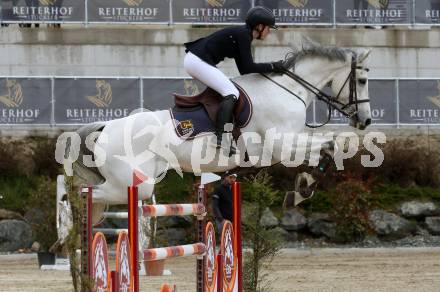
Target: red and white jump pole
{"points": [[211, 269], [162, 253], [133, 198], [156, 211], [173, 210], [236, 192], [95, 255]]}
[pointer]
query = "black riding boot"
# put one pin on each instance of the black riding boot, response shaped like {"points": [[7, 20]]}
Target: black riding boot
{"points": [[224, 116]]}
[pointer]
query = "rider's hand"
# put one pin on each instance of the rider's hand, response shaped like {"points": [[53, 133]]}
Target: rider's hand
{"points": [[278, 67]]}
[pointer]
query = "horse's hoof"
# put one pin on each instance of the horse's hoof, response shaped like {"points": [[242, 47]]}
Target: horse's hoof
{"points": [[302, 197], [232, 151], [293, 199], [308, 191]]}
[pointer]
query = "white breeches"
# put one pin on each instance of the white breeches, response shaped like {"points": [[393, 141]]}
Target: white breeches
{"points": [[209, 75]]}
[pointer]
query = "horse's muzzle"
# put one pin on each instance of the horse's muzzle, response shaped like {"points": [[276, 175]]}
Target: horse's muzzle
{"points": [[367, 122], [356, 123]]}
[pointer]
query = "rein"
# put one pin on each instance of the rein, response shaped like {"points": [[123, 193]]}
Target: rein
{"points": [[332, 102]]}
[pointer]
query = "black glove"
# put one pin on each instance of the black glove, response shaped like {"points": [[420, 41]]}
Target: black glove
{"points": [[278, 67]]}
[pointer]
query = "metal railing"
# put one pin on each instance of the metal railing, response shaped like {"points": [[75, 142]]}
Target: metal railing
{"points": [[64, 100], [331, 13]]}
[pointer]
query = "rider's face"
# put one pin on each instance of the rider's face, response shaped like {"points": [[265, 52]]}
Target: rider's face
{"points": [[265, 32], [264, 29]]}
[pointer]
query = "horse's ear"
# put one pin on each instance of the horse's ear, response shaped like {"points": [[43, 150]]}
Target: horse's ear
{"points": [[364, 55]]}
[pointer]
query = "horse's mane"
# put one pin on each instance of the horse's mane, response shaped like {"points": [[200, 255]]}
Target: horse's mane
{"points": [[312, 49]]}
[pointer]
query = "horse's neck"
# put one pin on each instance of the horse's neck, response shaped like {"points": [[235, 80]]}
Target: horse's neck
{"points": [[317, 71]]}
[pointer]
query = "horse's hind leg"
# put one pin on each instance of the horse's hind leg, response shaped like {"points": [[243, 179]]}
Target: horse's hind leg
{"points": [[97, 211], [113, 195], [108, 193]]}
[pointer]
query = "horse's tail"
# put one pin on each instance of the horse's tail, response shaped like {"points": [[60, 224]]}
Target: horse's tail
{"points": [[85, 175]]}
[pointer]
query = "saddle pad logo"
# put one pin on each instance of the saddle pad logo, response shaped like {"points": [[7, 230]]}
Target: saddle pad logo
{"points": [[14, 95], [186, 125], [298, 3]]}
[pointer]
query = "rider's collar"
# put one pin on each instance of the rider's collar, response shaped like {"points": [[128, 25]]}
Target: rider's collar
{"points": [[250, 31]]}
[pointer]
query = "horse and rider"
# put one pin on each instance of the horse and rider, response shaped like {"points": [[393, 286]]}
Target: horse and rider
{"points": [[147, 143], [204, 54]]}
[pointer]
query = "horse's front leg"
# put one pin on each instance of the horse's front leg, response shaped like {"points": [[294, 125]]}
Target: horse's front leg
{"points": [[306, 183]]}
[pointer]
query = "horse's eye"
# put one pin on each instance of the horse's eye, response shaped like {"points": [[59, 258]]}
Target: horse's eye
{"points": [[363, 81]]}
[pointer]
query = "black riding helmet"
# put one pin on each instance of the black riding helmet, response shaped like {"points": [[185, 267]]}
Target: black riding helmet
{"points": [[260, 15]]}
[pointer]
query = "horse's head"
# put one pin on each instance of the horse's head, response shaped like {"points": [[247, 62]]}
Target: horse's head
{"points": [[350, 88], [343, 69]]}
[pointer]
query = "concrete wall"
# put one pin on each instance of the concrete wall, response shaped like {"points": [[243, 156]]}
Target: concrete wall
{"points": [[158, 51]]}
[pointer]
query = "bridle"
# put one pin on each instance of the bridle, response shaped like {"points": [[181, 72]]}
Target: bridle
{"points": [[332, 102]]}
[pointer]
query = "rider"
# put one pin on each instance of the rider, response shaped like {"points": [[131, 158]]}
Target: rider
{"points": [[232, 42]]}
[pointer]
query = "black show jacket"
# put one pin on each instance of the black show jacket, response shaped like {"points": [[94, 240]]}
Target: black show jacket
{"points": [[231, 42]]}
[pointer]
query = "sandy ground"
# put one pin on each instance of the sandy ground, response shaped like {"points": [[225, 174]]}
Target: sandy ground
{"points": [[402, 269]]}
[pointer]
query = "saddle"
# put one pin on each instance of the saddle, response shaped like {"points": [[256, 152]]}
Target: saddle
{"points": [[198, 113], [210, 100]]}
